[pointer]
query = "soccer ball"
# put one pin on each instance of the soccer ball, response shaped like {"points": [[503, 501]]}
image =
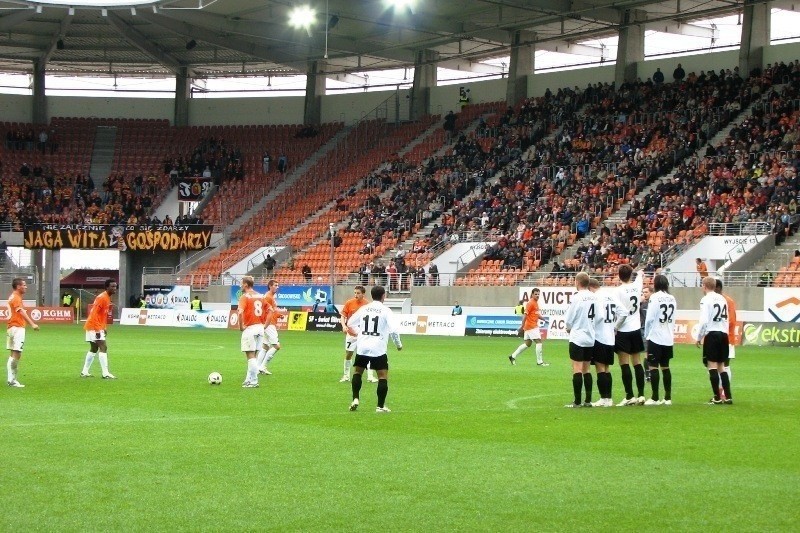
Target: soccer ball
{"points": [[215, 378]]}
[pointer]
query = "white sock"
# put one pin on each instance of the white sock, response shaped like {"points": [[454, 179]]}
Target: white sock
{"points": [[87, 364], [730, 373], [539, 353], [260, 358], [521, 348], [103, 358], [252, 370], [271, 353], [347, 364], [11, 366]]}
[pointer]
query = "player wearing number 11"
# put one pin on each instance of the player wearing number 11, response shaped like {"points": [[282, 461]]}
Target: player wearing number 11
{"points": [[658, 330], [375, 323]]}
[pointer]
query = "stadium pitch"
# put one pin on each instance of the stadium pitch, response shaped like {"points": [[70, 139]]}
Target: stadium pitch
{"points": [[472, 443]]}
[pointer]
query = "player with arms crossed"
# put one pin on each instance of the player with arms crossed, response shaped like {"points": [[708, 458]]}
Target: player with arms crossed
{"points": [[530, 331], [251, 313], [377, 326], [350, 329], [95, 328], [659, 331], [628, 343], [713, 335], [603, 353], [580, 321], [15, 334], [271, 343]]}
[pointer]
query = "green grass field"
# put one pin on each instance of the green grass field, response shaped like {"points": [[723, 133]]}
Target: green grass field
{"points": [[472, 443]]}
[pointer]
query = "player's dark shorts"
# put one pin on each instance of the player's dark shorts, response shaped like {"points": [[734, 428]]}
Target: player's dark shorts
{"points": [[715, 347], [628, 342], [603, 354], [375, 363], [658, 355], [580, 353]]}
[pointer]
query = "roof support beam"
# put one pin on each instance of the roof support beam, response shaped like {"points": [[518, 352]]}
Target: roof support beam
{"points": [[62, 30], [135, 37], [466, 65], [678, 28], [566, 47]]}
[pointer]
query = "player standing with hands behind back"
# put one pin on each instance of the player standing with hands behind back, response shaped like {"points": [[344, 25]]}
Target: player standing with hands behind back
{"points": [[95, 327], [376, 325], [15, 335], [713, 335]]}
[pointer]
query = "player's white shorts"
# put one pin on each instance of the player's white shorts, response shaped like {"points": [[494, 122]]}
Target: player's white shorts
{"points": [[350, 343], [271, 335], [15, 338], [533, 335], [95, 335], [251, 337], [731, 351]]}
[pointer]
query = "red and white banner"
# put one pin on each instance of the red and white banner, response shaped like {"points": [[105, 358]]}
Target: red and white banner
{"points": [[45, 315]]}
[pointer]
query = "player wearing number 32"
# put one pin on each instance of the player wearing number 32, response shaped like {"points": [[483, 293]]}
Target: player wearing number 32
{"points": [[658, 330], [582, 313], [713, 335], [375, 324], [251, 324]]}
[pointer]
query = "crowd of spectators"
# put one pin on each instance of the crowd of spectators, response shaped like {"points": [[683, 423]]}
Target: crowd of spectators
{"points": [[211, 158], [28, 139]]}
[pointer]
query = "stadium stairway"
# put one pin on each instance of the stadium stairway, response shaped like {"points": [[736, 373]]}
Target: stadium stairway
{"points": [[430, 131], [620, 215], [102, 155], [291, 178], [778, 257]]}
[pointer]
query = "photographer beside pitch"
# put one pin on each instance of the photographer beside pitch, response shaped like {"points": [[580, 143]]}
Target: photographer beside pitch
{"points": [[375, 324]]}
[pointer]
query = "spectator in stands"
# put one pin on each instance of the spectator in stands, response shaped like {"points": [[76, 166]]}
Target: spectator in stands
{"points": [[658, 77], [449, 126], [269, 264], [457, 310], [306, 271], [678, 74], [433, 273], [765, 279], [283, 164]]}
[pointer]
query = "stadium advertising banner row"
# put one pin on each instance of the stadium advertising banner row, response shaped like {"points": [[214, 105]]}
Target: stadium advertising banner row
{"points": [[440, 325], [290, 295], [192, 189], [153, 237], [183, 318], [167, 296], [782, 304], [45, 315], [771, 334]]}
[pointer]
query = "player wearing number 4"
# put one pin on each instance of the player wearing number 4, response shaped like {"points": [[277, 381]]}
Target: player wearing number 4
{"points": [[251, 323], [713, 335], [659, 331], [530, 331], [580, 321], [377, 325]]}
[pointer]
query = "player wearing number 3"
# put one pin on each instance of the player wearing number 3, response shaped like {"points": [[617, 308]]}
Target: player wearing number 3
{"points": [[375, 324], [251, 323], [658, 330]]}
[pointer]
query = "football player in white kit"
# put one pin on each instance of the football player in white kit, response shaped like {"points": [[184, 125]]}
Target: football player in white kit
{"points": [[659, 330]]}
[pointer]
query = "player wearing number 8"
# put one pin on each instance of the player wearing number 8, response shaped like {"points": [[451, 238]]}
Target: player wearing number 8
{"points": [[251, 324], [713, 334], [375, 323], [658, 330]]}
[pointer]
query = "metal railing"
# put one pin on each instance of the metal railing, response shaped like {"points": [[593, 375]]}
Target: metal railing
{"points": [[739, 228]]}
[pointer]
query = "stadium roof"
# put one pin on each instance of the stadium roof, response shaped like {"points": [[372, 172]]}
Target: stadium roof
{"points": [[223, 38]]}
